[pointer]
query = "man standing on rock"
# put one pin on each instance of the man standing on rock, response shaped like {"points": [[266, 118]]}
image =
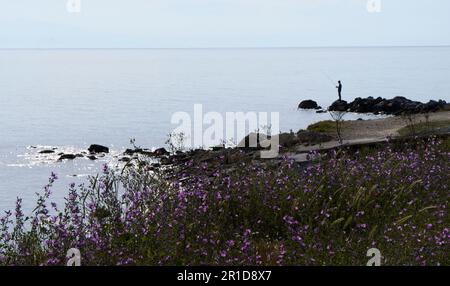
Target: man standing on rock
{"points": [[339, 87]]}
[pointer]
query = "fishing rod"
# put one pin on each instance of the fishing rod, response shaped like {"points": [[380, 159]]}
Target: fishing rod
{"points": [[329, 78]]}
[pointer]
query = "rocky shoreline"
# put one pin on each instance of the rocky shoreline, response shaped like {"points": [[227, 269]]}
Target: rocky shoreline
{"points": [[396, 106], [296, 145]]}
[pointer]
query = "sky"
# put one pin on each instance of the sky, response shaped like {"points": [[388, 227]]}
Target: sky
{"points": [[222, 23]]}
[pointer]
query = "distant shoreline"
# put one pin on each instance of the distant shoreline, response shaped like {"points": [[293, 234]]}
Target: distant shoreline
{"points": [[229, 48]]}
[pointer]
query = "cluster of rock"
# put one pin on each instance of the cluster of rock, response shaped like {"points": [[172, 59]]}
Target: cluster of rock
{"points": [[92, 153], [157, 152], [395, 106], [95, 151], [248, 150], [130, 154]]}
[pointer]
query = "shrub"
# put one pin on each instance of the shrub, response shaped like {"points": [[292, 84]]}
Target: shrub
{"points": [[327, 126], [327, 213]]}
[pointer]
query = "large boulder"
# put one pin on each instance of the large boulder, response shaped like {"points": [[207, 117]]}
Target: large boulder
{"points": [[339, 105], [364, 105], [393, 107], [381, 106], [95, 148], [161, 152], [397, 105], [432, 106], [67, 157], [412, 107], [308, 104]]}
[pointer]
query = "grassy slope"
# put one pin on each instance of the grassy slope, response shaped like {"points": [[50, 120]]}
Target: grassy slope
{"points": [[424, 127]]}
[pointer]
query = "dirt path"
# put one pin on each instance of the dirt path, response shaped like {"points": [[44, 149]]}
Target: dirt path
{"points": [[385, 127]]}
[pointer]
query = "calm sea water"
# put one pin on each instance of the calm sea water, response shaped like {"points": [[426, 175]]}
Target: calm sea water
{"points": [[69, 99]]}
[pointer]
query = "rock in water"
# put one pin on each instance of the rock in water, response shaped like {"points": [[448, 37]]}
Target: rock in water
{"points": [[308, 104], [396, 106], [94, 148], [364, 105], [339, 105], [67, 157]]}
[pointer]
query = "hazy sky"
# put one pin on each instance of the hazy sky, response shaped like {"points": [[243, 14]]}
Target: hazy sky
{"points": [[221, 23]]}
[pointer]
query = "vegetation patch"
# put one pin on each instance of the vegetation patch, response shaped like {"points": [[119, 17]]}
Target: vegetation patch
{"points": [[425, 128], [394, 198], [327, 126]]}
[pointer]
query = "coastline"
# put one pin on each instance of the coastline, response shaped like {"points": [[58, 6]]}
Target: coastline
{"points": [[227, 206], [356, 134], [318, 136]]}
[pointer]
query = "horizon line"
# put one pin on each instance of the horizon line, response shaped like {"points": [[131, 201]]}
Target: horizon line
{"points": [[230, 48]]}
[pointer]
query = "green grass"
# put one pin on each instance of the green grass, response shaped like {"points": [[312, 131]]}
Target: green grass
{"points": [[326, 126], [423, 127]]}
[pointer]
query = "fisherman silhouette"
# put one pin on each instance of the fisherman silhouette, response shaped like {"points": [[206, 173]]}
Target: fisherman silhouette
{"points": [[339, 87]]}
